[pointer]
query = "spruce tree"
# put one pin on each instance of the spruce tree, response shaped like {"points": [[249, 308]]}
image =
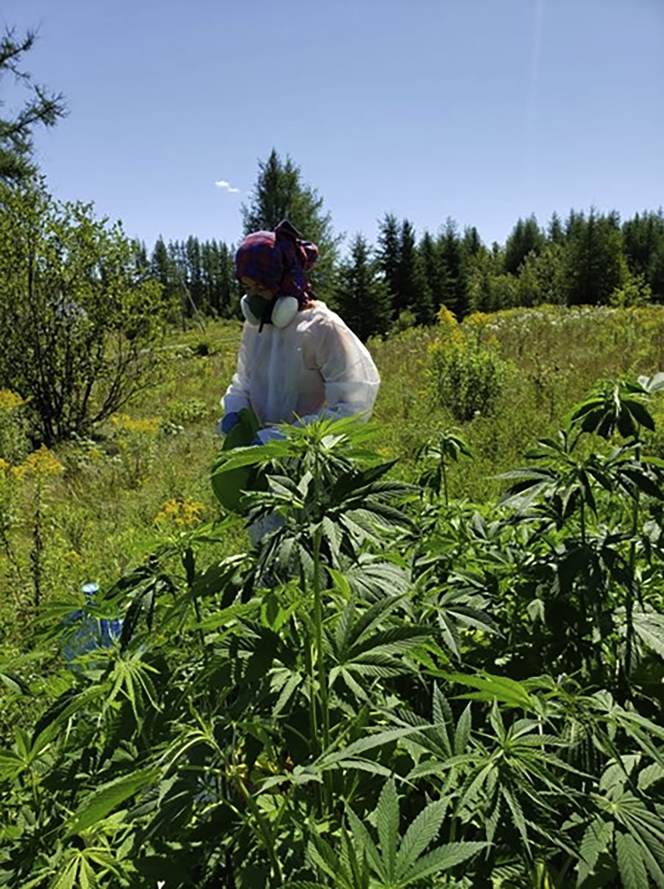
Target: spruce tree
{"points": [[449, 245], [470, 247], [412, 291], [643, 240], [41, 108], [389, 253], [555, 232], [526, 237], [595, 262], [435, 269], [362, 296], [280, 193]]}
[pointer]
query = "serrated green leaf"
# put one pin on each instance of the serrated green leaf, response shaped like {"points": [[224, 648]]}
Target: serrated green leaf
{"points": [[364, 842], [632, 869], [104, 799], [387, 823], [441, 859], [420, 834]]}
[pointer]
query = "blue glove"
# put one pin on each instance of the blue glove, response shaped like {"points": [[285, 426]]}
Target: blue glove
{"points": [[270, 433], [228, 421]]}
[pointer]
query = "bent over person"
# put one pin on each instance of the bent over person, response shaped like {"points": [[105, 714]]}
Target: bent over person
{"points": [[298, 360]]}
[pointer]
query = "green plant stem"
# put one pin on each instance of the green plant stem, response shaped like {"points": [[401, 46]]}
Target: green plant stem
{"points": [[320, 653], [264, 830], [629, 604]]}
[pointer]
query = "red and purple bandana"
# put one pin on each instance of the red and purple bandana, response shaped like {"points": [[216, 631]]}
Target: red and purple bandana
{"points": [[278, 260]]}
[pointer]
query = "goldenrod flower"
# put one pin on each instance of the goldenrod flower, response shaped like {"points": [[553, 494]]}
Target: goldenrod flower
{"points": [[145, 425], [180, 512], [39, 464], [10, 401]]}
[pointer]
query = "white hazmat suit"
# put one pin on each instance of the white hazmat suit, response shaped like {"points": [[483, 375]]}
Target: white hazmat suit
{"points": [[313, 367]]}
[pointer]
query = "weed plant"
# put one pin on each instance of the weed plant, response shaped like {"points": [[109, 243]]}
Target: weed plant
{"points": [[442, 665]]}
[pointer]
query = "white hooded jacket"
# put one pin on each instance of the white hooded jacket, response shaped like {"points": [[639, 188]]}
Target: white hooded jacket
{"points": [[314, 367]]}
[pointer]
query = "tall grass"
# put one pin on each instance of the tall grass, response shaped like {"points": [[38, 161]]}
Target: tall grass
{"points": [[132, 482]]}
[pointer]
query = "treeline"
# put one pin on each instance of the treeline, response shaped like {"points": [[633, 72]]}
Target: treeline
{"points": [[589, 258], [195, 276], [586, 259]]}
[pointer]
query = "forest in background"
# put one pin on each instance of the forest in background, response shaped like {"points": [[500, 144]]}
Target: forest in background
{"points": [[585, 258]]}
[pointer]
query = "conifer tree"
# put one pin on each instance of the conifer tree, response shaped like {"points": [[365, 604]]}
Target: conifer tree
{"points": [[595, 262], [449, 245], [412, 291], [163, 270], [526, 237], [643, 240], [470, 247], [41, 108], [280, 193], [363, 297], [389, 254], [194, 274], [554, 231], [435, 270]]}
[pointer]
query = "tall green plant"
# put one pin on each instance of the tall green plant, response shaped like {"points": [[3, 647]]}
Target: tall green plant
{"points": [[80, 324]]}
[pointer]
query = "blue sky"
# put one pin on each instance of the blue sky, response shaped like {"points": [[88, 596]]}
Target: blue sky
{"points": [[480, 110]]}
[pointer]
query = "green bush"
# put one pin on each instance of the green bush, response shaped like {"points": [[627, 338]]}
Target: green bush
{"points": [[80, 324], [467, 378]]}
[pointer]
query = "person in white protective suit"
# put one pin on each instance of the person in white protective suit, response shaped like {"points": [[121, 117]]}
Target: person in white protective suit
{"points": [[297, 360]]}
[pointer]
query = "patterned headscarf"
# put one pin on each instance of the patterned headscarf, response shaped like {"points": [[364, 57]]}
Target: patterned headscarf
{"points": [[278, 260]]}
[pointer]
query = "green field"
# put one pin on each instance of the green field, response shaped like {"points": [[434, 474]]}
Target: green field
{"points": [[444, 667]]}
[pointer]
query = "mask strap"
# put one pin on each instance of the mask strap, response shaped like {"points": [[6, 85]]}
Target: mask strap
{"points": [[267, 313]]}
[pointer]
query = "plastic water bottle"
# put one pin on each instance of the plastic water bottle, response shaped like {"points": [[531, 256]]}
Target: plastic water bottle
{"points": [[91, 633]]}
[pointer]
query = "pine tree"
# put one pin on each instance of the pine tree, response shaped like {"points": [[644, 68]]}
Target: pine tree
{"points": [[526, 238], [280, 193], [595, 263], [434, 269], [41, 108], [363, 297], [412, 291], [389, 252]]}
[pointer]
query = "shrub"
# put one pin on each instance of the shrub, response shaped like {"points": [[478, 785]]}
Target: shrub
{"points": [[14, 444], [467, 376], [79, 322]]}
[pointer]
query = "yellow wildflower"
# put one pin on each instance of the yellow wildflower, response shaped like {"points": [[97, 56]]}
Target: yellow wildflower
{"points": [[449, 325], [145, 425], [39, 464], [10, 401], [180, 512]]}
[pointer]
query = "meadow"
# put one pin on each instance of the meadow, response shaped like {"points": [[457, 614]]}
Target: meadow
{"points": [[456, 628]]}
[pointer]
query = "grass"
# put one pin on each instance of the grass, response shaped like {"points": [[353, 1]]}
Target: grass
{"points": [[144, 475]]}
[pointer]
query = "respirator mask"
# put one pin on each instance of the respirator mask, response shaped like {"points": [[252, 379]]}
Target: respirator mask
{"points": [[279, 311]]}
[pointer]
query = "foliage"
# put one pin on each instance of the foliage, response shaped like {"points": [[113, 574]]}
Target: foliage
{"points": [[14, 443], [280, 193], [386, 690], [41, 108], [396, 685], [80, 326], [361, 296], [467, 375]]}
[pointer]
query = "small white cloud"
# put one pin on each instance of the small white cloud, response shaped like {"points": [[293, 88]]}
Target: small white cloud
{"points": [[224, 184]]}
